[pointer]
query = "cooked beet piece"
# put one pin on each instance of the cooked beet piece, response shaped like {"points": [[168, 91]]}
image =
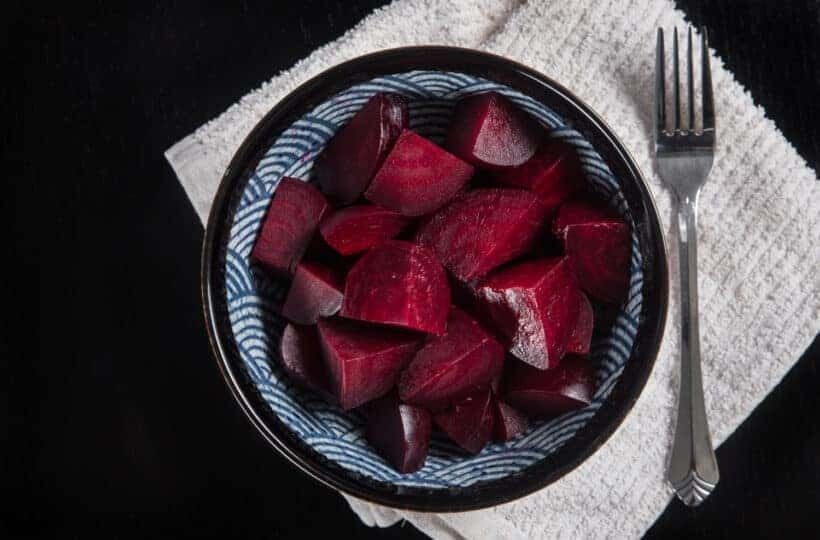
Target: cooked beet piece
{"points": [[553, 173], [300, 356], [490, 132], [355, 153], [509, 423], [358, 228], [547, 393], [400, 433], [316, 291], [400, 284], [483, 229], [469, 423], [364, 361], [580, 211], [580, 333], [453, 366], [417, 177], [292, 217]]}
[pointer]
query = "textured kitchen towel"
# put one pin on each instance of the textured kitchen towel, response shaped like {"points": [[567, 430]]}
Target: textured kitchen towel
{"points": [[759, 237]]}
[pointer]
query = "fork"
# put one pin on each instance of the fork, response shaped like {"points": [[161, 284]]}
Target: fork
{"points": [[684, 161]]}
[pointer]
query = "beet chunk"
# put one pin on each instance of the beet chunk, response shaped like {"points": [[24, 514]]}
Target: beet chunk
{"points": [[597, 244], [364, 361], [509, 423], [301, 358], [453, 366], [489, 131], [547, 393], [355, 153], [469, 423], [292, 217], [400, 433], [534, 304], [358, 228], [580, 333], [482, 230], [553, 173], [399, 284], [316, 291], [417, 177]]}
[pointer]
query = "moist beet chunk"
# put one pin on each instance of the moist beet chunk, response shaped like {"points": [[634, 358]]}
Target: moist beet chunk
{"points": [[301, 358], [358, 228], [400, 433], [482, 230], [547, 393], [399, 284], [580, 334], [509, 423], [469, 423], [553, 173], [417, 177], [316, 291], [354, 154], [489, 131], [292, 217], [453, 366], [364, 361]]}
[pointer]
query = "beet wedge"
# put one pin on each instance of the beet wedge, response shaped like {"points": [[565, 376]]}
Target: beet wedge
{"points": [[400, 433], [469, 423], [490, 132], [580, 333], [509, 423], [417, 177], [291, 219], [399, 284], [553, 173], [534, 304], [548, 393], [300, 356], [597, 244], [358, 228], [355, 153], [453, 366], [316, 291], [482, 230], [364, 361]]}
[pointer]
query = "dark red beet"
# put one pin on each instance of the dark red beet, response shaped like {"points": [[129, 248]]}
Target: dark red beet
{"points": [[453, 366], [364, 361], [597, 244], [417, 177], [358, 228], [509, 423], [356, 152], [547, 393], [580, 333], [400, 284], [316, 291], [469, 423], [301, 358], [400, 433], [482, 230], [489, 131], [535, 305], [553, 173], [292, 217]]}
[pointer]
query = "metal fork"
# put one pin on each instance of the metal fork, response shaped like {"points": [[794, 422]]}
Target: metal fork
{"points": [[684, 161]]}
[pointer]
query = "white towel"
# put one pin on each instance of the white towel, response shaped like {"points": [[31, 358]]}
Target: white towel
{"points": [[759, 236]]}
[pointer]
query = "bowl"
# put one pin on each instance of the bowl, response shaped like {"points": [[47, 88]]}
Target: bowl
{"points": [[240, 300]]}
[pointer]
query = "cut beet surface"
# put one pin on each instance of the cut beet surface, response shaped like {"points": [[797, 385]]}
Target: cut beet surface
{"points": [[301, 358], [469, 423], [597, 244], [355, 153], [509, 423], [490, 132], [400, 284], [417, 177], [358, 228], [580, 333], [316, 291], [482, 230], [292, 217], [400, 433], [553, 173], [534, 304], [364, 361], [453, 366], [547, 393]]}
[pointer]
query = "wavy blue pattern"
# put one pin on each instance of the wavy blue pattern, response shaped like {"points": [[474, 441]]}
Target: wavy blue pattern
{"points": [[253, 297]]}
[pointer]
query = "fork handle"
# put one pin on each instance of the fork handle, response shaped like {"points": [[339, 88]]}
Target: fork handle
{"points": [[693, 471]]}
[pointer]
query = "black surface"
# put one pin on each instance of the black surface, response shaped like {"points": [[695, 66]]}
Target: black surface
{"points": [[114, 417]]}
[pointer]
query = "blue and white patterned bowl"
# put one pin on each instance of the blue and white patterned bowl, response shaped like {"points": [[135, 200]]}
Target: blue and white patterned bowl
{"points": [[241, 301]]}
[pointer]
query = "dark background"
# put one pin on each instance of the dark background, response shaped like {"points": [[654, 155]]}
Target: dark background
{"points": [[116, 418]]}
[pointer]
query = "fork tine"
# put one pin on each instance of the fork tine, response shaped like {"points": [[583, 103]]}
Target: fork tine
{"points": [[676, 83], [660, 88], [706, 82], [691, 83]]}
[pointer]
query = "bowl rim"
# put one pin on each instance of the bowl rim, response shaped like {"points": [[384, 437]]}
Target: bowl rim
{"points": [[597, 430]]}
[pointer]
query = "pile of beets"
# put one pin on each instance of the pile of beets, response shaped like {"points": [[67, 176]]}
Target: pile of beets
{"points": [[446, 286]]}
